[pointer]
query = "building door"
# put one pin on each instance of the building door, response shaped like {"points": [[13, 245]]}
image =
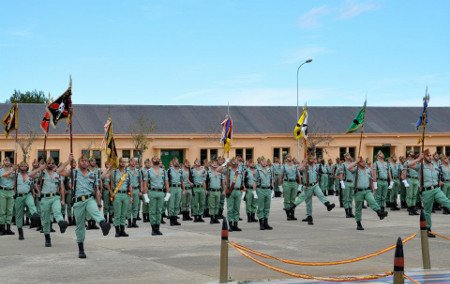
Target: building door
{"points": [[168, 155], [385, 149]]}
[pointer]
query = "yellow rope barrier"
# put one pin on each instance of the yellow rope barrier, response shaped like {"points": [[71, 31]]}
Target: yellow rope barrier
{"points": [[306, 276], [410, 279], [440, 236], [328, 263]]}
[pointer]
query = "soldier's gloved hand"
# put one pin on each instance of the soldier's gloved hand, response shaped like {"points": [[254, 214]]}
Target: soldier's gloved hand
{"points": [[146, 199], [300, 188], [280, 188], [342, 184], [391, 185], [243, 196], [272, 195], [166, 198], [375, 185], [405, 183], [255, 196]]}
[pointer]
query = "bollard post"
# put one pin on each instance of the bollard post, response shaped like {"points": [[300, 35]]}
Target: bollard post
{"points": [[224, 252], [424, 241], [399, 263]]}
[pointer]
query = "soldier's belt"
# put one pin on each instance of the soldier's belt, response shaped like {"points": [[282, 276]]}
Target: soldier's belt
{"points": [[362, 189], [156, 189], [136, 187], [412, 177], [264, 187], [123, 191], [83, 197], [175, 185], [348, 180], [430, 188], [197, 186], [447, 180], [50, 194], [5, 188], [214, 189], [22, 194], [290, 180], [311, 184], [382, 179]]}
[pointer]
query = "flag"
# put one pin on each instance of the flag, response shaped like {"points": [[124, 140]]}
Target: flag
{"points": [[11, 119], [359, 119], [109, 145], [61, 107], [45, 123], [423, 118], [301, 128], [227, 132]]}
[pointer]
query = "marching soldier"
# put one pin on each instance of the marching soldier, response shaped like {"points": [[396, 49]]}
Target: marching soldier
{"points": [[186, 197], [121, 197], [52, 197], [381, 176], [199, 192], [347, 181], [145, 209], [98, 173], [323, 176], [108, 208], [412, 185], [336, 172], [136, 184], [402, 181], [233, 184], [251, 200], [66, 182], [363, 192], [394, 171], [445, 178], [175, 176], [289, 181], [431, 190], [24, 197], [155, 183], [276, 168], [37, 197], [6, 197], [263, 190], [87, 199], [213, 183]]}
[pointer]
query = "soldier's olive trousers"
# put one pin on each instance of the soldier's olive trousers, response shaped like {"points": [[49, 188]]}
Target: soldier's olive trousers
{"points": [[446, 189], [145, 207], [394, 191], [186, 200], [402, 191], [324, 183], [6, 206], [381, 193], [234, 205], [330, 182], [121, 204], [67, 207], [360, 196], [412, 191], [198, 201], [251, 203], [37, 202], [431, 196], [289, 193], [155, 206], [337, 186], [276, 183], [133, 210], [214, 202], [107, 206], [81, 209], [264, 198], [49, 206], [347, 197], [174, 201], [20, 203], [307, 195]]}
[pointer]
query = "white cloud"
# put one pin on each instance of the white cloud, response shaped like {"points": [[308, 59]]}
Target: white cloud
{"points": [[353, 9], [311, 18]]}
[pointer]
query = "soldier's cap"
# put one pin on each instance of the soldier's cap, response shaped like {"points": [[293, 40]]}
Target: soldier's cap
{"points": [[330, 161], [380, 153], [410, 153], [91, 159], [23, 163], [347, 155], [443, 157]]}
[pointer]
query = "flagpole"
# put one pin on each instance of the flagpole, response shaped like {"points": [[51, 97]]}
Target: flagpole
{"points": [[15, 152], [424, 124], [359, 153]]}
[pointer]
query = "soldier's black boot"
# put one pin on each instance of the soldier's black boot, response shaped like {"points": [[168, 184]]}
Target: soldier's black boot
{"points": [[69, 221], [158, 232], [293, 218], [62, 226], [8, 230], [175, 221], [347, 213], [249, 218], [110, 218], [13, 219], [414, 211], [216, 220], [310, 220], [350, 213], [381, 214], [184, 216], [430, 235], [20, 234], [117, 231], [236, 228], [162, 220], [134, 225], [230, 226], [306, 219], [154, 230], [2, 230], [211, 221], [394, 206], [89, 226], [403, 204], [195, 218], [139, 217], [266, 224], [171, 221], [206, 213], [261, 224], [129, 223], [94, 225], [288, 214], [363, 206], [382, 208], [329, 206], [81, 253], [445, 210], [199, 219], [48, 240], [122, 231], [27, 221], [220, 213], [359, 227], [105, 226], [410, 211]]}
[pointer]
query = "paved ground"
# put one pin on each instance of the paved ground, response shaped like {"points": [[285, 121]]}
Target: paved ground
{"points": [[190, 253]]}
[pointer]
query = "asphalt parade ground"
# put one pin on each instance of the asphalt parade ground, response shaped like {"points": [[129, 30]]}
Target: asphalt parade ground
{"points": [[190, 253]]}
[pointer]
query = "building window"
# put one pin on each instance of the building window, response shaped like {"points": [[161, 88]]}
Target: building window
{"points": [[43, 155], [240, 152], [276, 153], [342, 151], [319, 153], [213, 154], [96, 154], [8, 154], [249, 154], [126, 154], [350, 150], [280, 153], [447, 151], [415, 149], [440, 149], [203, 154]]}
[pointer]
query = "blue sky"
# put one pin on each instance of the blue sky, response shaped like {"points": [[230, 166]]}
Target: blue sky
{"points": [[206, 52]]}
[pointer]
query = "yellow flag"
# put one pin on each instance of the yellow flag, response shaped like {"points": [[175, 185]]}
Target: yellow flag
{"points": [[301, 128]]}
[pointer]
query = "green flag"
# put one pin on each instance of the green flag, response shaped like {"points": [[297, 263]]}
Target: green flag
{"points": [[359, 119]]}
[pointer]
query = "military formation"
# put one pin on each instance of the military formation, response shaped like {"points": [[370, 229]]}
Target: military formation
{"points": [[79, 193]]}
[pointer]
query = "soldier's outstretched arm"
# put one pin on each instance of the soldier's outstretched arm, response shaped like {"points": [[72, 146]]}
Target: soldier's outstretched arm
{"points": [[62, 169]]}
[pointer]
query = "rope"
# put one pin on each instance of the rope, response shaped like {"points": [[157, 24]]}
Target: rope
{"points": [[440, 236], [305, 263], [311, 277], [410, 279]]}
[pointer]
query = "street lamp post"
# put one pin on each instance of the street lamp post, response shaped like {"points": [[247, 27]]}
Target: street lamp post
{"points": [[298, 112]]}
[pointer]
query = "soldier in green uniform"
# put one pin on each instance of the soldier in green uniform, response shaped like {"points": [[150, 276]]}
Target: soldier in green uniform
{"points": [[108, 208], [136, 185], [222, 168], [363, 192], [176, 184], [289, 180], [437, 163], [213, 183], [310, 178], [276, 168], [402, 181], [431, 190], [186, 197], [445, 178], [380, 176], [199, 192], [122, 197], [24, 197], [145, 209], [336, 172], [87, 199], [52, 198], [36, 196], [263, 189], [412, 185], [323, 176], [155, 183], [98, 173], [394, 171], [67, 209], [251, 200], [347, 181], [6, 196], [330, 177], [233, 185]]}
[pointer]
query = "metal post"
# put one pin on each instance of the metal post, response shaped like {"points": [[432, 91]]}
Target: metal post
{"points": [[224, 252], [424, 241], [399, 263]]}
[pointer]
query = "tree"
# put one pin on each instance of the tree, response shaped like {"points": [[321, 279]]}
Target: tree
{"points": [[29, 97], [139, 132], [318, 135], [26, 141]]}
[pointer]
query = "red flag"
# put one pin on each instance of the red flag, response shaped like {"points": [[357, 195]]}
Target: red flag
{"points": [[60, 108], [45, 123]]}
